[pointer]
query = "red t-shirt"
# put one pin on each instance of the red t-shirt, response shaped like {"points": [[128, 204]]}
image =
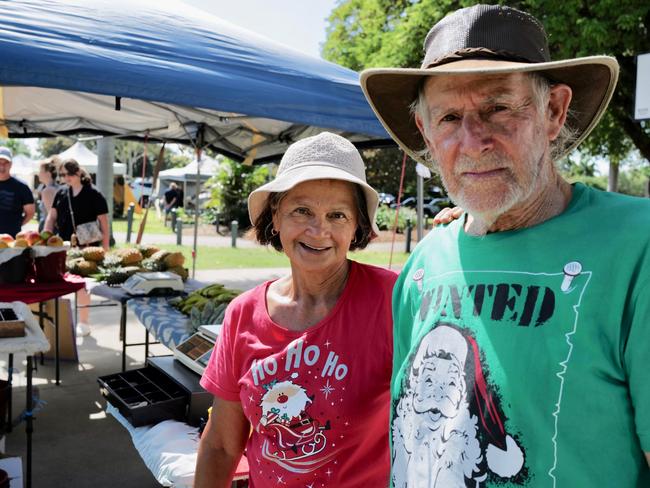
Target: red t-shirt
{"points": [[317, 400]]}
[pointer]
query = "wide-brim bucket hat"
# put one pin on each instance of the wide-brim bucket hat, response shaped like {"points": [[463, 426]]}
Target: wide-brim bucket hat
{"points": [[325, 156], [489, 39]]}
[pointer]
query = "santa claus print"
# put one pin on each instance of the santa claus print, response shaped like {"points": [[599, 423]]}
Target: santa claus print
{"points": [[293, 439], [448, 430]]}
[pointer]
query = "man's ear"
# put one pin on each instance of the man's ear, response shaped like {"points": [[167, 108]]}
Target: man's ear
{"points": [[558, 108]]}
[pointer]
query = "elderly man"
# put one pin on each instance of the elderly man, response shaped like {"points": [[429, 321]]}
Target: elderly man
{"points": [[522, 329], [16, 199]]}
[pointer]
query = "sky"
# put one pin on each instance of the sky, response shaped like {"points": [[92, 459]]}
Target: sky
{"points": [[300, 24]]}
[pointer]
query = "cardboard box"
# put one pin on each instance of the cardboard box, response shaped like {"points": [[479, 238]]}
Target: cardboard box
{"points": [[11, 325]]}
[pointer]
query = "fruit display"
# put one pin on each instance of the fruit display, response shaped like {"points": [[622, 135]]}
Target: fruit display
{"points": [[206, 305], [32, 255], [116, 267], [30, 238]]}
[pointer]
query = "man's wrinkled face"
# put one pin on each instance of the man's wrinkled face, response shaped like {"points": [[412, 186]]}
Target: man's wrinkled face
{"points": [[488, 138]]}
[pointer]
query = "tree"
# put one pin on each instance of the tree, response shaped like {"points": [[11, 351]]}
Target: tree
{"points": [[17, 146], [373, 33], [232, 185], [52, 146], [384, 168]]}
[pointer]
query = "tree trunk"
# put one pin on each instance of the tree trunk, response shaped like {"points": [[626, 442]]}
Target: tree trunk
{"points": [[612, 183]]}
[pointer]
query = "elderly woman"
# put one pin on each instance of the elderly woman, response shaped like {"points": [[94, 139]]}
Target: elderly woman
{"points": [[302, 368]]}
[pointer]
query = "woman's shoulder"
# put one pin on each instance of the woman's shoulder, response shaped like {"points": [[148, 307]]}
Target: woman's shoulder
{"points": [[375, 272], [249, 298], [368, 276], [49, 190], [61, 192]]}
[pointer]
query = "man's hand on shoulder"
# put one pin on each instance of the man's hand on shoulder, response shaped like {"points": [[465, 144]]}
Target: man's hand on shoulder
{"points": [[447, 215]]}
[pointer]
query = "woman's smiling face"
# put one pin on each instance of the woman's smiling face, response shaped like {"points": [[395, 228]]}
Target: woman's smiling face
{"points": [[317, 221]]}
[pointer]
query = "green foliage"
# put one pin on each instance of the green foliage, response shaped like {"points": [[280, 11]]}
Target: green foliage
{"points": [[373, 33], [17, 146], [54, 145], [635, 182], [599, 182], [131, 153], [384, 169], [386, 218], [230, 189]]}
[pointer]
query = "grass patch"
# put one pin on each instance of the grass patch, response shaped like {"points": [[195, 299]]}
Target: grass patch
{"points": [[154, 226], [210, 257]]}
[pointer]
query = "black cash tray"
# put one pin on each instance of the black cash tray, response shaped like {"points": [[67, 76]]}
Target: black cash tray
{"points": [[145, 396]]}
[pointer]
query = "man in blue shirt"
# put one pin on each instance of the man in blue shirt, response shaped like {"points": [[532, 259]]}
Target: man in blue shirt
{"points": [[16, 199]]}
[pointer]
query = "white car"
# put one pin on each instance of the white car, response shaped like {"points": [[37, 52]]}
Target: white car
{"points": [[141, 187]]}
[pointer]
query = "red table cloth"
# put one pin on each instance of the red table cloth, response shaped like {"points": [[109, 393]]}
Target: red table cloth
{"points": [[40, 292]]}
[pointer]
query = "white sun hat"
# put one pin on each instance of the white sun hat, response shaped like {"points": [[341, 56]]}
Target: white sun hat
{"points": [[326, 156]]}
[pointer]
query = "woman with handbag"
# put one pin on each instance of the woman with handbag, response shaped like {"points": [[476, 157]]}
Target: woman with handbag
{"points": [[80, 214]]}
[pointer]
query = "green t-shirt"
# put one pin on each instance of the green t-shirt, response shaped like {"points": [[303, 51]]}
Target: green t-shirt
{"points": [[521, 358]]}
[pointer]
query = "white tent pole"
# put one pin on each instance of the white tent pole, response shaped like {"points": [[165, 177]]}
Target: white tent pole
{"points": [[105, 159]]}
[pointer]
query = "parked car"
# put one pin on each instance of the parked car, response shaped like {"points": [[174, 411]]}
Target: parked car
{"points": [[142, 189], [430, 206], [386, 199]]}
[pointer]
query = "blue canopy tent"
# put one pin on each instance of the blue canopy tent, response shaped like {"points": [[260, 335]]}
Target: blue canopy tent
{"points": [[167, 71]]}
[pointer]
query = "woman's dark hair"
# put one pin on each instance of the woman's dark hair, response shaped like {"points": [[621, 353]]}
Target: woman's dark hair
{"points": [[50, 165], [263, 226], [72, 168]]}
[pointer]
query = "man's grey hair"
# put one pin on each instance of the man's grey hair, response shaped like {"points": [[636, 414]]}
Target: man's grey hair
{"points": [[541, 90]]}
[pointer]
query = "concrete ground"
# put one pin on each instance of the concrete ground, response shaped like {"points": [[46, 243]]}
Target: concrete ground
{"points": [[75, 444]]}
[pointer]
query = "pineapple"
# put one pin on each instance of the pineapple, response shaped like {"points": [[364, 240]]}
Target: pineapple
{"points": [[152, 265], [93, 253], [118, 276], [159, 256], [180, 271], [82, 267], [174, 259], [147, 250], [129, 256]]}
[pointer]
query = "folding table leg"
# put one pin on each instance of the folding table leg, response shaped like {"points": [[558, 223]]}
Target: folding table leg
{"points": [[10, 375], [29, 428], [123, 335], [41, 313], [56, 340]]}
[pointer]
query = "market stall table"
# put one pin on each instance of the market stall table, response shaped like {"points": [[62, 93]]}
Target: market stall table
{"points": [[33, 342], [169, 450], [40, 292], [167, 324], [119, 295]]}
